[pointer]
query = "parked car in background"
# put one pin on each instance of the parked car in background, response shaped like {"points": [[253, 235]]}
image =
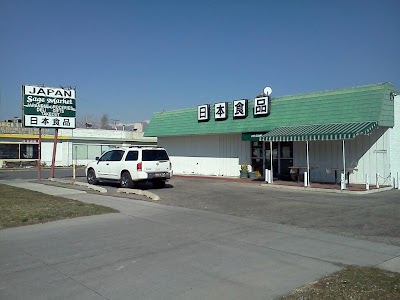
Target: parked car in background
{"points": [[131, 165]]}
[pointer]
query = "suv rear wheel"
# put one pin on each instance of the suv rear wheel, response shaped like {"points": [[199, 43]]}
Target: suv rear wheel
{"points": [[126, 180]]}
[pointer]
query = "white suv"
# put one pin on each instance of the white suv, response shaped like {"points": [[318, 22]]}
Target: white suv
{"points": [[131, 165]]}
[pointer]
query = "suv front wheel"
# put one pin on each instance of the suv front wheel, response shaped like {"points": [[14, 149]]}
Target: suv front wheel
{"points": [[91, 177], [126, 180]]}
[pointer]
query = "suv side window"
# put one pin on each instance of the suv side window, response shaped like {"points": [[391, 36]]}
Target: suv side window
{"points": [[117, 155], [106, 156], [132, 156], [151, 155]]}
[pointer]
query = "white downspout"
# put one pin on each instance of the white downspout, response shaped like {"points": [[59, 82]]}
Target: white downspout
{"points": [[308, 165]]}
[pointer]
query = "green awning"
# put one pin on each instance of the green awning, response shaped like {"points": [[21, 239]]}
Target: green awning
{"points": [[321, 132]]}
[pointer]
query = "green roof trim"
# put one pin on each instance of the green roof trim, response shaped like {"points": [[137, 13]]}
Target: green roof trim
{"points": [[338, 131], [370, 103], [247, 136]]}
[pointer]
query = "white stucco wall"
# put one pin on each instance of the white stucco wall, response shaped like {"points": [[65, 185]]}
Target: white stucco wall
{"points": [[219, 155], [222, 155], [47, 153], [369, 154], [395, 142]]}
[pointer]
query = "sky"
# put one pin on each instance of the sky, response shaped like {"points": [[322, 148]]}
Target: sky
{"points": [[129, 59]]}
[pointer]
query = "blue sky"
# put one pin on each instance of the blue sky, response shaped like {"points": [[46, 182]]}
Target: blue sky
{"points": [[129, 59]]}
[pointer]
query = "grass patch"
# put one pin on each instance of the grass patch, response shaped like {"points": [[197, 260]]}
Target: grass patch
{"points": [[24, 207], [352, 282]]}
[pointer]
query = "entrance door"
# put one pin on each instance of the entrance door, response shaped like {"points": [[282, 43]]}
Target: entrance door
{"points": [[282, 159], [256, 157], [285, 159]]}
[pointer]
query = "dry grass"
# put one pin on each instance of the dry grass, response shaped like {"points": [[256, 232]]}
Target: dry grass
{"points": [[24, 207], [353, 282]]}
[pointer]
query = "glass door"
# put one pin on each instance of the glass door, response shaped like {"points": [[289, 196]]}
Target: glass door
{"points": [[282, 159], [285, 159], [256, 157]]}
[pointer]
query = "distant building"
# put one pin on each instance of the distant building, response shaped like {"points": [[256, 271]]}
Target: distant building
{"points": [[19, 146], [139, 127]]}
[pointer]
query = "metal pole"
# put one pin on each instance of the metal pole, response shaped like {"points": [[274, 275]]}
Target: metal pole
{"points": [[272, 172], [40, 154], [308, 165], [74, 162], [343, 185], [263, 154], [53, 159]]}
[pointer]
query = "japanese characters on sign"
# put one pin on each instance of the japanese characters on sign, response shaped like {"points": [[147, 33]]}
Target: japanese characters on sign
{"points": [[203, 113], [48, 107], [44, 121], [240, 109], [221, 111], [261, 106]]}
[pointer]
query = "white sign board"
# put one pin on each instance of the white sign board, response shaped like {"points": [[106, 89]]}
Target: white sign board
{"points": [[48, 107], [221, 111]]}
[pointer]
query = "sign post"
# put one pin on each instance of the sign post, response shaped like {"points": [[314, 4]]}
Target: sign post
{"points": [[53, 159], [40, 155]]}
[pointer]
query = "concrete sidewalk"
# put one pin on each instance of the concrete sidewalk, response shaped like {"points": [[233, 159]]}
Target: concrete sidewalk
{"points": [[153, 251]]}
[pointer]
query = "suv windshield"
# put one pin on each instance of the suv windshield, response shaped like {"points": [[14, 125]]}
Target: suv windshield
{"points": [[150, 155]]}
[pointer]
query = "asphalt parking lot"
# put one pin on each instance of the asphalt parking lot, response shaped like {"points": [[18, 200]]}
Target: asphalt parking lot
{"points": [[373, 217], [166, 250]]}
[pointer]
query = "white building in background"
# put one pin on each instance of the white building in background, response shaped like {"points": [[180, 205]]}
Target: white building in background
{"points": [[19, 146]]}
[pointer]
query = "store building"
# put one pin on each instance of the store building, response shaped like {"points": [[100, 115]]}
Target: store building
{"points": [[356, 128], [19, 146]]}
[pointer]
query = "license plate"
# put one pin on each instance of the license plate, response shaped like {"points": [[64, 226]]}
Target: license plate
{"points": [[159, 174]]}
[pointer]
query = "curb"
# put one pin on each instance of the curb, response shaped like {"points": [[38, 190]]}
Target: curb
{"points": [[87, 185], [148, 194], [392, 265], [311, 189]]}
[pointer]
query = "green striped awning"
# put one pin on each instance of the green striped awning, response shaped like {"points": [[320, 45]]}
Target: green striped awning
{"points": [[321, 132]]}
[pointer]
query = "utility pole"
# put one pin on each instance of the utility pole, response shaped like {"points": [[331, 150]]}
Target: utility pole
{"points": [[115, 123]]}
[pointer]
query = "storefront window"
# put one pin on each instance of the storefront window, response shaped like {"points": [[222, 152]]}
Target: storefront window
{"points": [[94, 151], [282, 158], [19, 151], [286, 149], [83, 151], [29, 151], [9, 151], [286, 158]]}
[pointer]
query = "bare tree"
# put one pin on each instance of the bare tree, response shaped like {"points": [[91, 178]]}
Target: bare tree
{"points": [[104, 122], [87, 121]]}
